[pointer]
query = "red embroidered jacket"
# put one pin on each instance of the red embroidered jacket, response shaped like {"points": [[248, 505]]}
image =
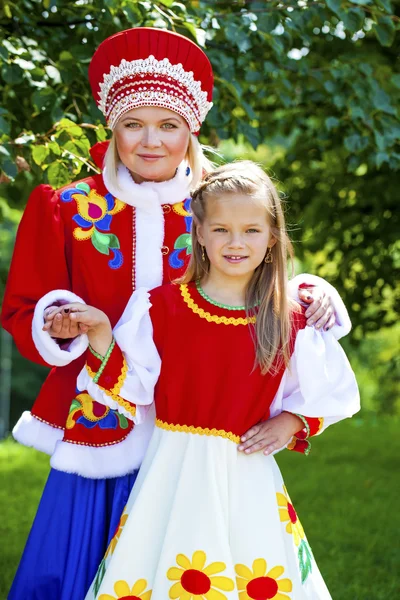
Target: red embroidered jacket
{"points": [[79, 238]]}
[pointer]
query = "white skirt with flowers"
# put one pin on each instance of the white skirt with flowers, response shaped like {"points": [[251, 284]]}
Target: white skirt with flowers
{"points": [[206, 522]]}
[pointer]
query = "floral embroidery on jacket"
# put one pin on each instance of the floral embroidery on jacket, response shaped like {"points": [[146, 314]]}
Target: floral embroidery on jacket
{"points": [[95, 213], [85, 411], [184, 241]]}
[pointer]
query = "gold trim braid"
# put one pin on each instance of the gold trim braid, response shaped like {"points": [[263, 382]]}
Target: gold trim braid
{"points": [[208, 316], [118, 399], [199, 430]]}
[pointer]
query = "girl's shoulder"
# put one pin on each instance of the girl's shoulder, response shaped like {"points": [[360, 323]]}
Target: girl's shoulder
{"points": [[166, 295]]}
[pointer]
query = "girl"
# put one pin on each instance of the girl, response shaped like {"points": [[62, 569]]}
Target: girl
{"points": [[221, 351]]}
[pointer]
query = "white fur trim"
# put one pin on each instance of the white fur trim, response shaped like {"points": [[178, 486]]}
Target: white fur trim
{"points": [[108, 461], [45, 345], [33, 433], [343, 324], [148, 198]]}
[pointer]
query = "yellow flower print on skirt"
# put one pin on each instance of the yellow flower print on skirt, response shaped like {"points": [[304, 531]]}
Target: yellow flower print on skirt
{"points": [[123, 590], [288, 514], [258, 584], [195, 581]]}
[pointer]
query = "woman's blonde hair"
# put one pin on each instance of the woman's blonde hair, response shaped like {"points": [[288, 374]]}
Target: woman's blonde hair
{"points": [[195, 157], [266, 294]]}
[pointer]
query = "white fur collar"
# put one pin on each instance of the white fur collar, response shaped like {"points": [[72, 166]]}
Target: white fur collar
{"points": [[150, 194]]}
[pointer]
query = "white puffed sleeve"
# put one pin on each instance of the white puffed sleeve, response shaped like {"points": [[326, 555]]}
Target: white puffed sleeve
{"points": [[133, 335], [343, 324], [319, 385]]}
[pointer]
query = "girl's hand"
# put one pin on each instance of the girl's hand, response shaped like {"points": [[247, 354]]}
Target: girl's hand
{"points": [[320, 312], [271, 435], [59, 325], [92, 321]]}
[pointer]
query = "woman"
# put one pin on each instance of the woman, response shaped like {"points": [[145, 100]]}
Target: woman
{"points": [[96, 241]]}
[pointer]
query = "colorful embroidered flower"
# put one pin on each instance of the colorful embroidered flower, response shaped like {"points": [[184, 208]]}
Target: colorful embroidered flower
{"points": [[287, 513], [257, 584], [112, 545], [91, 414], [196, 581], [123, 591], [184, 241], [94, 216]]}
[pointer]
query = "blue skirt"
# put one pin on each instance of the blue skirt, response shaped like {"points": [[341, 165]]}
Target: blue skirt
{"points": [[76, 519]]}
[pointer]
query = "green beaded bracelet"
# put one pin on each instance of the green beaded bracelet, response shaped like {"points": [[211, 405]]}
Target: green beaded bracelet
{"points": [[104, 362], [96, 354]]}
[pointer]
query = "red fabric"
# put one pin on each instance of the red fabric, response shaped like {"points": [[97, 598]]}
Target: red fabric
{"points": [[113, 369], [46, 257], [207, 376], [98, 152]]}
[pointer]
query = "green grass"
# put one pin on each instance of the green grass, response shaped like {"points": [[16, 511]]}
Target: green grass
{"points": [[345, 493]]}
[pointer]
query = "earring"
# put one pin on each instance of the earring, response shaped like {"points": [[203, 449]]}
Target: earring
{"points": [[268, 257], [203, 254]]}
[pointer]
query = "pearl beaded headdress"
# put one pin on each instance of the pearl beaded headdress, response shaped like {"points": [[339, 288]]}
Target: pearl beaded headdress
{"points": [[140, 67]]}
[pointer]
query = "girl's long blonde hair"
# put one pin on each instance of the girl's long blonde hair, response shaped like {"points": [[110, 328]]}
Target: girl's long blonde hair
{"points": [[195, 157], [266, 294]]}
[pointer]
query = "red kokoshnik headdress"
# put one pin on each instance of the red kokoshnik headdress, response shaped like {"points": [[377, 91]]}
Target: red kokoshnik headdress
{"points": [[151, 67]]}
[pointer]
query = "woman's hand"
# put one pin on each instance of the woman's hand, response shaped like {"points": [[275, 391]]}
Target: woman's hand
{"points": [[320, 312], [59, 325], [271, 435]]}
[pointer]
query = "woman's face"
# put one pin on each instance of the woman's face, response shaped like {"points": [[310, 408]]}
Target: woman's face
{"points": [[152, 142]]}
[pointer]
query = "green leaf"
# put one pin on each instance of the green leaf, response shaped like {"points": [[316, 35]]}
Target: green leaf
{"points": [[55, 148], [12, 74], [182, 241], [305, 560], [395, 79], [334, 5], [385, 31], [380, 158], [101, 571], [386, 4], [44, 98], [9, 167], [123, 421], [114, 241], [353, 19], [4, 126], [83, 186], [331, 123], [58, 174], [381, 101], [74, 404], [40, 153], [356, 143], [69, 127], [101, 242]]}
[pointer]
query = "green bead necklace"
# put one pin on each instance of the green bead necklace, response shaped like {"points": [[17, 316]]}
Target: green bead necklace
{"points": [[211, 301]]}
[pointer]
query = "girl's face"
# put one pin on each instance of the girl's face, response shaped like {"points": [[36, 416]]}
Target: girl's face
{"points": [[236, 235], [152, 142]]}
